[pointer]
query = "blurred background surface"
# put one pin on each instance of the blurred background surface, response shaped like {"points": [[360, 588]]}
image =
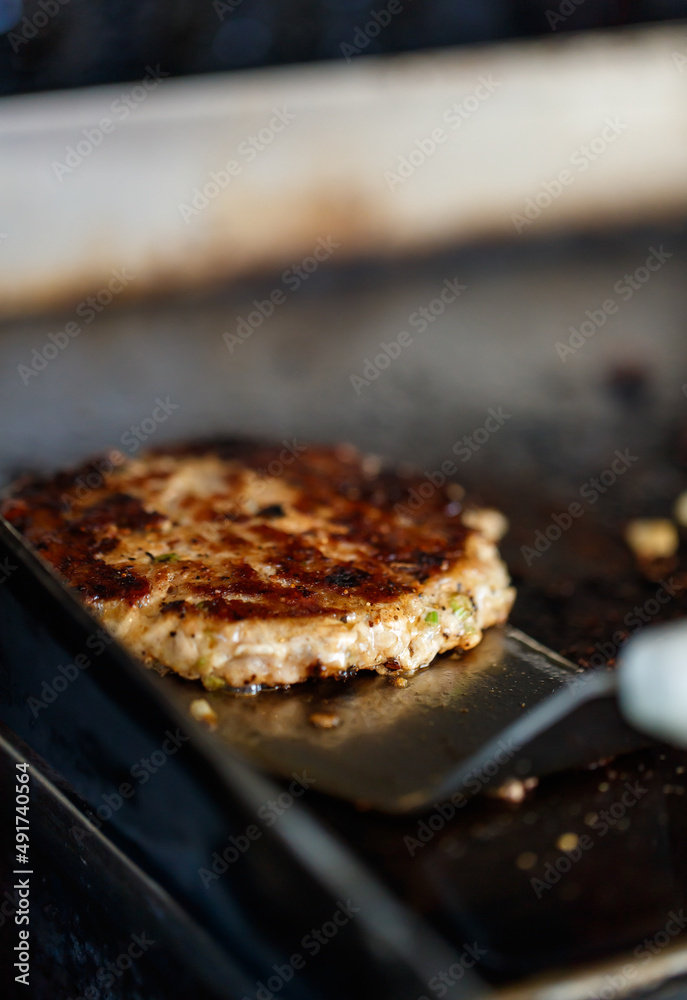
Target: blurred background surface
{"points": [[383, 250], [200, 235], [92, 42]]}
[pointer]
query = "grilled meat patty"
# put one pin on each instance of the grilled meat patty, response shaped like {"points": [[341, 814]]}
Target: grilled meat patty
{"points": [[243, 564]]}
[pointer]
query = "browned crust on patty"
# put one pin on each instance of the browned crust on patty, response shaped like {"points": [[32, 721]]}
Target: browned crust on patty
{"points": [[233, 536]]}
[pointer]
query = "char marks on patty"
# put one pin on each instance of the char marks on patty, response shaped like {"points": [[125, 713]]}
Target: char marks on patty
{"points": [[229, 560]]}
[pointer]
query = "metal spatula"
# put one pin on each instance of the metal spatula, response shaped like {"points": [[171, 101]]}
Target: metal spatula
{"points": [[509, 708]]}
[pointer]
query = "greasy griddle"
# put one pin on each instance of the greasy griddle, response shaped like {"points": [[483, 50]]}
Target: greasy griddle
{"points": [[376, 743], [397, 744], [471, 872], [481, 873], [465, 877]]}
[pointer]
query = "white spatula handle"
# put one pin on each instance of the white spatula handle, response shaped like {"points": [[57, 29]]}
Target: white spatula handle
{"points": [[652, 682]]}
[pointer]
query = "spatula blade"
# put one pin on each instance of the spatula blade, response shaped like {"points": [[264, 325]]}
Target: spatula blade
{"points": [[447, 730]]}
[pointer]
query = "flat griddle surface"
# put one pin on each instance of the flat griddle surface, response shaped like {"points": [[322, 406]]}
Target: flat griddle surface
{"points": [[390, 746]]}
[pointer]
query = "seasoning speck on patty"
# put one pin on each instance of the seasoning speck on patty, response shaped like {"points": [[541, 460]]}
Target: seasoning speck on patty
{"points": [[245, 564]]}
